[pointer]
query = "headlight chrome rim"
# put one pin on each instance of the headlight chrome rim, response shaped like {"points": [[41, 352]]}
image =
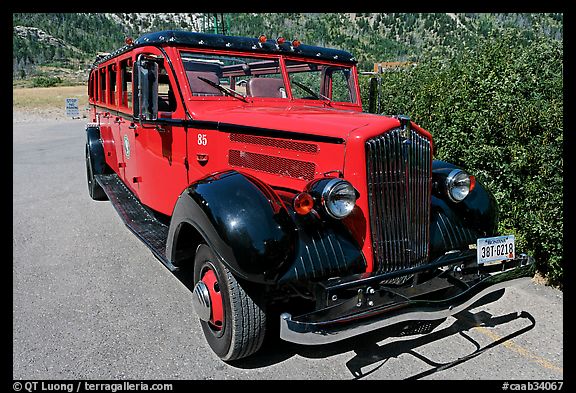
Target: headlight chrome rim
{"points": [[453, 189], [328, 193]]}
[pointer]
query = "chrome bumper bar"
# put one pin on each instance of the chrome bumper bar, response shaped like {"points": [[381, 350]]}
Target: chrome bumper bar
{"points": [[329, 331]]}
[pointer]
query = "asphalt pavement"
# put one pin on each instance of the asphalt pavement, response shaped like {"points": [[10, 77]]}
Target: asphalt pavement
{"points": [[90, 301]]}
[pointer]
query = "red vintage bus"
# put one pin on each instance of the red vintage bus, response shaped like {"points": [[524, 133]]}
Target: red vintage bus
{"points": [[250, 164]]}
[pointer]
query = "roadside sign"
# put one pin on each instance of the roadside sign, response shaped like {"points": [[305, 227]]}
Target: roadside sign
{"points": [[72, 107]]}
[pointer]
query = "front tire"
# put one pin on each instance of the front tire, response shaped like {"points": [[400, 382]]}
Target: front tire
{"points": [[237, 323]]}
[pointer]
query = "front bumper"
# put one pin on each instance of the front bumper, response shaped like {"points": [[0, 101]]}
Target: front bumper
{"points": [[376, 305]]}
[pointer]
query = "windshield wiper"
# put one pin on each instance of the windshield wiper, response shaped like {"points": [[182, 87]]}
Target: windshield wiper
{"points": [[224, 90], [310, 91]]}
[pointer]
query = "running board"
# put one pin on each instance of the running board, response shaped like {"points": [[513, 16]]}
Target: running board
{"points": [[146, 227]]}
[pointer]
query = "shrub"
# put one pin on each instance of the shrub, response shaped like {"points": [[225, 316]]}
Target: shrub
{"points": [[46, 81], [497, 110]]}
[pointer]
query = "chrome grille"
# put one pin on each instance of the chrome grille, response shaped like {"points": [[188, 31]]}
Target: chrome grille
{"points": [[399, 176]]}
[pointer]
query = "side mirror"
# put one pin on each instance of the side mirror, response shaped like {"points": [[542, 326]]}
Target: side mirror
{"points": [[146, 107]]}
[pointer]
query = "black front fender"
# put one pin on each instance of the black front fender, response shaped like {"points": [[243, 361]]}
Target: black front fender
{"points": [[455, 225], [242, 220]]}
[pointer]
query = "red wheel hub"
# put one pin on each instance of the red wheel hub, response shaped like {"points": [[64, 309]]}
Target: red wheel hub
{"points": [[217, 307]]}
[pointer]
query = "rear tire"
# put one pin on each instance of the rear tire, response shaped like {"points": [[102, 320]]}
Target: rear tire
{"points": [[239, 328], [94, 189]]}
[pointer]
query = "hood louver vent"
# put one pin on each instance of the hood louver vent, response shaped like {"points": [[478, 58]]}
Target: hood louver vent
{"points": [[275, 142], [271, 164]]}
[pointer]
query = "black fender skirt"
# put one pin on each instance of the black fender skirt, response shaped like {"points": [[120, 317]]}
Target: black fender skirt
{"points": [[257, 235], [95, 150]]}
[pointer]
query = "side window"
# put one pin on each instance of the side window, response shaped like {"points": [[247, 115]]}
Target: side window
{"points": [[91, 87], [166, 97], [102, 77], [126, 80], [95, 90], [112, 76]]}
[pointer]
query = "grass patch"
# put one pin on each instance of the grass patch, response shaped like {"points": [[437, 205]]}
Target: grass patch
{"points": [[48, 97]]}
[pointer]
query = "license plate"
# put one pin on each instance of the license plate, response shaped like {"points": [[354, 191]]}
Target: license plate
{"points": [[495, 249]]}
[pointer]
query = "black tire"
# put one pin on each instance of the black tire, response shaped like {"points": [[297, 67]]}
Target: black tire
{"points": [[244, 326], [94, 189]]}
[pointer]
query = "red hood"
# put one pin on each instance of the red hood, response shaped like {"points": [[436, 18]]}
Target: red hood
{"points": [[324, 121]]}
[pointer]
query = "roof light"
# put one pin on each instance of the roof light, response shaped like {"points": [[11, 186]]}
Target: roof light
{"points": [[129, 41], [296, 43], [281, 40], [262, 38]]}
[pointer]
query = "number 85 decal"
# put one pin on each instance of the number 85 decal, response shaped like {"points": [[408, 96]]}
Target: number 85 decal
{"points": [[202, 140]]}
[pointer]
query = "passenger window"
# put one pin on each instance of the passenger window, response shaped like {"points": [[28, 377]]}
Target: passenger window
{"points": [[102, 85], [91, 86], [112, 75], [96, 86], [126, 78]]}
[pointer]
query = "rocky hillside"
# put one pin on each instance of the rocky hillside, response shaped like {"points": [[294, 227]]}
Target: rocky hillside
{"points": [[46, 44]]}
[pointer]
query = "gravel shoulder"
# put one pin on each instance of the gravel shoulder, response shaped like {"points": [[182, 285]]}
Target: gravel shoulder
{"points": [[39, 115]]}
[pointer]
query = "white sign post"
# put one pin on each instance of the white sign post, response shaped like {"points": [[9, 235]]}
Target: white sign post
{"points": [[72, 108]]}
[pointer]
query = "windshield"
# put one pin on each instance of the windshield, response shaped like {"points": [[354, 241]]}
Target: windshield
{"points": [[243, 76], [321, 82]]}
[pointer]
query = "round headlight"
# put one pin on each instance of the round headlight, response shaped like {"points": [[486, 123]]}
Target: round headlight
{"points": [[338, 198], [458, 185]]}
